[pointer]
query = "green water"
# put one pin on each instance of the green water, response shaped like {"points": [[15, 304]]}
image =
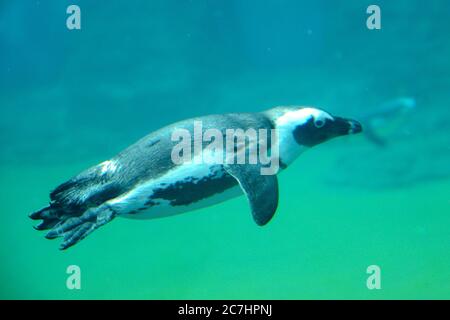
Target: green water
{"points": [[318, 246], [70, 100]]}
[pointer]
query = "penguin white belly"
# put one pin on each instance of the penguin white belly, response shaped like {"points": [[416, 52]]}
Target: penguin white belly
{"points": [[184, 188]]}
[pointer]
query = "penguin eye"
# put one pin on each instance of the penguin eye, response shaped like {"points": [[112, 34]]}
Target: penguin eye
{"points": [[319, 123]]}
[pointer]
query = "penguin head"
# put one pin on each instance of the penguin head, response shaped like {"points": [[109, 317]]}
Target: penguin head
{"points": [[312, 126]]}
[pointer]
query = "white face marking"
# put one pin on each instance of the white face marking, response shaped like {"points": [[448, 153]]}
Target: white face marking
{"points": [[286, 124], [300, 116], [108, 167]]}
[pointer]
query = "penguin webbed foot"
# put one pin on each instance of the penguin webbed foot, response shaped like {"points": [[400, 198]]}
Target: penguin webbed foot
{"points": [[75, 229], [49, 215], [77, 234]]}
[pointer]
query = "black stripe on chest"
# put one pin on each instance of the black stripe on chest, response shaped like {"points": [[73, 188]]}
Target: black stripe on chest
{"points": [[192, 189]]}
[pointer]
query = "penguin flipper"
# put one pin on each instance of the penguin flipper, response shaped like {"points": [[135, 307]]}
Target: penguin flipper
{"points": [[261, 190]]}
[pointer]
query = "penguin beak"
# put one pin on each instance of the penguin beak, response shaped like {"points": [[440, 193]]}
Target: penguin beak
{"points": [[344, 126]]}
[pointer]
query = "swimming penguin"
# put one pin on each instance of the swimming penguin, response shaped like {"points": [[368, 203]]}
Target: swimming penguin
{"points": [[390, 114], [144, 181]]}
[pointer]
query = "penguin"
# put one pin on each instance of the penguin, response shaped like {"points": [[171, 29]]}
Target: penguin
{"points": [[389, 115], [144, 182]]}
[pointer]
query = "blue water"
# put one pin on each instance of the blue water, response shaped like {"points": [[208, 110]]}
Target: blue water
{"points": [[70, 99]]}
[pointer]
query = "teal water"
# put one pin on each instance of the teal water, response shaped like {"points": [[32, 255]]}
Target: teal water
{"points": [[71, 99]]}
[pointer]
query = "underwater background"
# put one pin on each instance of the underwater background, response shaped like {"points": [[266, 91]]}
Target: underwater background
{"points": [[70, 99]]}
